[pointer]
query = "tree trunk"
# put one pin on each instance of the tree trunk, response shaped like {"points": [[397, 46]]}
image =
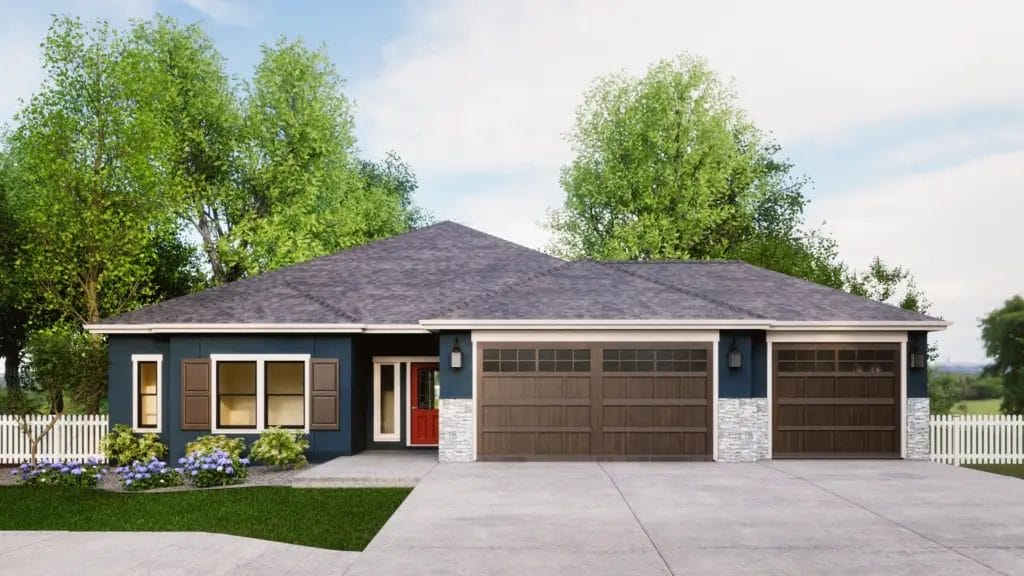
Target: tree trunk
{"points": [[10, 349]]}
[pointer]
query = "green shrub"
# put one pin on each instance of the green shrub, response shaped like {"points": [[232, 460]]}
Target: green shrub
{"points": [[282, 449], [122, 447], [210, 444]]}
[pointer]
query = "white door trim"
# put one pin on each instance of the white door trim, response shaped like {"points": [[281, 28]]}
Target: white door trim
{"points": [[402, 391]]}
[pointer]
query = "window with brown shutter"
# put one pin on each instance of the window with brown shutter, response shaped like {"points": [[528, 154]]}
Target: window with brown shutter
{"points": [[195, 395], [324, 393]]}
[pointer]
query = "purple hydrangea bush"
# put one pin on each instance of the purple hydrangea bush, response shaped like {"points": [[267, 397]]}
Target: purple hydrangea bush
{"points": [[57, 472], [216, 468], [149, 475]]}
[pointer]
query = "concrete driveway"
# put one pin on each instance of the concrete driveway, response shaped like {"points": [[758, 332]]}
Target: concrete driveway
{"points": [[798, 517]]}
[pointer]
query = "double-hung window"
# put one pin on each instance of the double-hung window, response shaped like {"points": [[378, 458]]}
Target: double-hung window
{"points": [[147, 391], [256, 392]]}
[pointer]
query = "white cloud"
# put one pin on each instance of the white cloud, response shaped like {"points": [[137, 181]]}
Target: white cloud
{"points": [[226, 11], [490, 86], [957, 230]]}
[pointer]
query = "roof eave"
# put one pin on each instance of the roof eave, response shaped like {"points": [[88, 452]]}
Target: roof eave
{"points": [[240, 328]]}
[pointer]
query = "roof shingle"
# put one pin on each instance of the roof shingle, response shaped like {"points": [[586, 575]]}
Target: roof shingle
{"points": [[449, 271]]}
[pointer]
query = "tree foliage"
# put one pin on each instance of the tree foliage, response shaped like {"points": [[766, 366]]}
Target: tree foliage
{"points": [[193, 105], [140, 171], [67, 361], [84, 185], [667, 166], [1002, 331], [303, 194]]}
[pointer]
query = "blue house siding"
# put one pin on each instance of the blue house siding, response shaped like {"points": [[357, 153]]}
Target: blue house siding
{"points": [[750, 379], [456, 382], [917, 378], [176, 348], [119, 360]]}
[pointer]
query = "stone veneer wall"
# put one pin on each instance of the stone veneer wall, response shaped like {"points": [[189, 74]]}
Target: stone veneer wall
{"points": [[742, 429], [918, 445], [456, 430]]}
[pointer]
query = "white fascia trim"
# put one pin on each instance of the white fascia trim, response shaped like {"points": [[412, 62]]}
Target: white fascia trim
{"points": [[256, 328], [159, 359], [927, 325], [595, 335], [261, 386], [757, 324], [556, 324]]}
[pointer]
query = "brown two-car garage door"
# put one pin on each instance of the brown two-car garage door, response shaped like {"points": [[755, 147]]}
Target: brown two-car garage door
{"points": [[836, 401], [594, 401]]}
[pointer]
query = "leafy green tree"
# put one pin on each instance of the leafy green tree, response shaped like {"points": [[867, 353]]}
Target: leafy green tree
{"points": [[892, 284], [67, 361], [945, 391], [395, 180], [1002, 331], [84, 189], [179, 78], [668, 166]]}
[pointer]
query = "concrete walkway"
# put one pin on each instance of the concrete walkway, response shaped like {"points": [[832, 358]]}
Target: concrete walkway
{"points": [[160, 553], [400, 468], [800, 517]]}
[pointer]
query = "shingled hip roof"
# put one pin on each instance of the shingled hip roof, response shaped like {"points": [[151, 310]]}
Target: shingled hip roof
{"points": [[448, 272]]}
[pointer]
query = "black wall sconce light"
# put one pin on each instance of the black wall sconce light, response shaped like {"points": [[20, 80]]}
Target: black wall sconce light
{"points": [[735, 358], [456, 357], [918, 358]]}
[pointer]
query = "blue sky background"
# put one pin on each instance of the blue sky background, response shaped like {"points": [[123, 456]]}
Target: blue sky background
{"points": [[908, 117]]}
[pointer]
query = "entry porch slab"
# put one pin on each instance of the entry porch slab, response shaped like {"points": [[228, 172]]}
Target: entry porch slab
{"points": [[373, 468]]}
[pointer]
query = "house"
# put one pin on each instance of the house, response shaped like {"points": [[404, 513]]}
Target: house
{"points": [[449, 337]]}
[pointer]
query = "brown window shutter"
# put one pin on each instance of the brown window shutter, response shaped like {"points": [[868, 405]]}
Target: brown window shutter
{"points": [[323, 397], [195, 395]]}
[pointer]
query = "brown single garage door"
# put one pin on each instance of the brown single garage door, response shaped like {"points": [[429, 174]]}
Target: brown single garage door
{"points": [[568, 401], [836, 401]]}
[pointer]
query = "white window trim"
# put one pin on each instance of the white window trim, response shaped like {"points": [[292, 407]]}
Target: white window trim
{"points": [[159, 359], [261, 397], [395, 436]]}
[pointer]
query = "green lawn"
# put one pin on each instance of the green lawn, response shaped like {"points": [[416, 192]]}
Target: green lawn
{"points": [[978, 407], [1015, 470], [335, 518]]}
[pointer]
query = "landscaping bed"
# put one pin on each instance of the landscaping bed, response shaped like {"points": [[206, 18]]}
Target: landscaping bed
{"points": [[334, 518]]}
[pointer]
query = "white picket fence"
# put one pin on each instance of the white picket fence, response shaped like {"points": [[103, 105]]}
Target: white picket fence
{"points": [[75, 436], [977, 439]]}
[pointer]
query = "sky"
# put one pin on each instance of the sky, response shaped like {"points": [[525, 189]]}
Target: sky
{"points": [[908, 117]]}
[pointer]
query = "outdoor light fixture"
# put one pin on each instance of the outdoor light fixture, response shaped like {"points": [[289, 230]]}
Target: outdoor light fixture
{"points": [[735, 358], [456, 358], [917, 359]]}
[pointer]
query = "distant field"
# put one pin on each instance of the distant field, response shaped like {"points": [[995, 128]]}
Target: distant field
{"points": [[978, 407]]}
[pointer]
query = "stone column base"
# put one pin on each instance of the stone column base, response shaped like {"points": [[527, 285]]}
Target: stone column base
{"points": [[456, 430], [918, 431], [742, 429]]}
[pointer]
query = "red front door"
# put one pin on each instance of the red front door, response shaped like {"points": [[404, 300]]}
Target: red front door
{"points": [[424, 391]]}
